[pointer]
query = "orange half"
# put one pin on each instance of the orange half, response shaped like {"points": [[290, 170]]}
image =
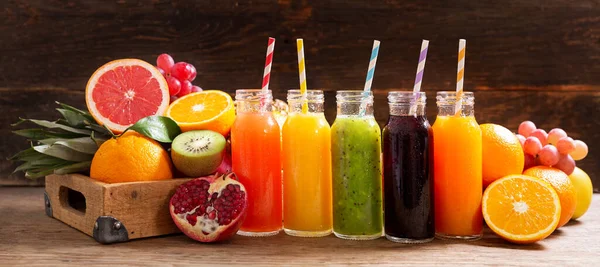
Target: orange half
{"points": [[207, 110], [521, 209]]}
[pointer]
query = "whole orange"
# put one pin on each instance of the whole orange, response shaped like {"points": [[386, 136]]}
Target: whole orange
{"points": [[563, 186], [129, 158], [502, 153]]}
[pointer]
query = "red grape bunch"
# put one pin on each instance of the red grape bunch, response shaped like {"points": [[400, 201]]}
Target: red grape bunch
{"points": [[553, 149], [179, 76]]}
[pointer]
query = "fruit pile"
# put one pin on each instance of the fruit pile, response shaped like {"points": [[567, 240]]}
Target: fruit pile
{"points": [[130, 129], [553, 149], [532, 186]]}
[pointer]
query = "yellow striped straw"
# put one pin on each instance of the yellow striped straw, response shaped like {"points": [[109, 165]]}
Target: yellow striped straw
{"points": [[460, 75], [302, 74]]}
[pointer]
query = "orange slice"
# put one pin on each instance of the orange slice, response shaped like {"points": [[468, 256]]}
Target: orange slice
{"points": [[123, 91], [521, 209], [207, 110]]}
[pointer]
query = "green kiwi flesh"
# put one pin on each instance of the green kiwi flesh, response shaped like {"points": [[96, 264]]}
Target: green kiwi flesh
{"points": [[198, 153]]}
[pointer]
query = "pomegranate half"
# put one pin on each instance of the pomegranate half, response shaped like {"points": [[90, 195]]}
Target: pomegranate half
{"points": [[209, 209]]}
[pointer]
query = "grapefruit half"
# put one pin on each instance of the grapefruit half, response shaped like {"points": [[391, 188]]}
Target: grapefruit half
{"points": [[123, 91]]}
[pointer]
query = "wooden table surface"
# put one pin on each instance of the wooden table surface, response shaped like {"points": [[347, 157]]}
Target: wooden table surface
{"points": [[29, 237]]}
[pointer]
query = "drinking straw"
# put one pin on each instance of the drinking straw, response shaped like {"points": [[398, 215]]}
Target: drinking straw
{"points": [[267, 72], [302, 74], [268, 63], [370, 74], [419, 77], [460, 75]]}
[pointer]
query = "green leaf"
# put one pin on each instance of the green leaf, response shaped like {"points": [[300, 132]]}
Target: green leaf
{"points": [[76, 110], [159, 128], [49, 141], [47, 161], [76, 167], [54, 125], [27, 155], [74, 119], [42, 173], [98, 140], [63, 152], [39, 134], [97, 128], [82, 144]]}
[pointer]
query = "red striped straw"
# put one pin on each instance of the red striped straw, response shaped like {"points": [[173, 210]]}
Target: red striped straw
{"points": [[268, 63]]}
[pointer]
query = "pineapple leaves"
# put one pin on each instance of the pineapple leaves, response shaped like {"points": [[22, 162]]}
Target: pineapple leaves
{"points": [[68, 144], [63, 146], [54, 125], [63, 152]]}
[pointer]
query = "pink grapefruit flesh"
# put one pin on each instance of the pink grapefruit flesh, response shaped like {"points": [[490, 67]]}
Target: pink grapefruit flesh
{"points": [[123, 91]]}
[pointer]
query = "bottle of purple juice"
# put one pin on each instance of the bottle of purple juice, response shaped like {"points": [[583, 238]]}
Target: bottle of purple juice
{"points": [[408, 179]]}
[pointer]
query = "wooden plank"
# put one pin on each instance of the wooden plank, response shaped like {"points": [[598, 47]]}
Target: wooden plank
{"points": [[143, 207], [570, 110], [57, 187], [31, 238], [520, 43]]}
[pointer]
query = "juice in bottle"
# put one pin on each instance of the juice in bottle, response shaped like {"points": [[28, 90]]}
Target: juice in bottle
{"points": [[306, 160], [457, 169], [255, 152], [356, 165], [407, 160]]}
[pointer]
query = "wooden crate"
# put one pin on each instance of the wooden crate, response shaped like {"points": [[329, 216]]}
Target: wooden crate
{"points": [[111, 213]]}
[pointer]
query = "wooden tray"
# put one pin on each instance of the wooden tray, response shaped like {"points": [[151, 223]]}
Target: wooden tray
{"points": [[111, 213]]}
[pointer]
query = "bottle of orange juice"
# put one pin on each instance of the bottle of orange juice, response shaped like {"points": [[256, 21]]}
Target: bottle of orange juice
{"points": [[255, 154], [457, 169], [306, 160]]}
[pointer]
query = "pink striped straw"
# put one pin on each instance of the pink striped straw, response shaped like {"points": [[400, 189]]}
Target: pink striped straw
{"points": [[268, 63]]}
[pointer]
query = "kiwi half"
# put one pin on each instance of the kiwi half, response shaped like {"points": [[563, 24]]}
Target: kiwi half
{"points": [[198, 153]]}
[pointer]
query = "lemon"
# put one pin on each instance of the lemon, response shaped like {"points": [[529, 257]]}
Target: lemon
{"points": [[584, 191]]}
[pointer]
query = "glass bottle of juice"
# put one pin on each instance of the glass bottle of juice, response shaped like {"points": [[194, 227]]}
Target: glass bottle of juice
{"points": [[457, 169], [356, 169], [306, 160], [255, 153], [407, 179]]}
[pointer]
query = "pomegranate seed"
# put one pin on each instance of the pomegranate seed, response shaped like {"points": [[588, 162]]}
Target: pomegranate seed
{"points": [[212, 215], [192, 219]]}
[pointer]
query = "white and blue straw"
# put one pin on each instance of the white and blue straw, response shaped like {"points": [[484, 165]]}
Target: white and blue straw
{"points": [[370, 74]]}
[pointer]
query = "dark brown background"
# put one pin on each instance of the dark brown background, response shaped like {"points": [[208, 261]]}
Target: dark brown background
{"points": [[534, 60]]}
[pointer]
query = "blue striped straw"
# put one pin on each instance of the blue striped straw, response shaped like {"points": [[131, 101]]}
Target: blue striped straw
{"points": [[370, 74], [419, 77]]}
